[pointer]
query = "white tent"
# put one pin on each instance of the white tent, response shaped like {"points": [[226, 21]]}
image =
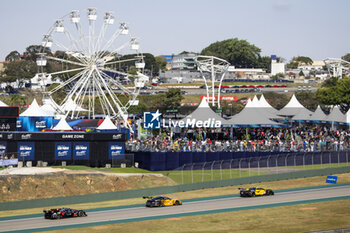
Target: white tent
{"points": [[34, 110], [252, 116], [70, 105], [62, 125], [50, 107], [347, 117], [318, 115], [2, 104], [107, 124], [293, 108], [264, 104], [204, 113], [336, 115]]}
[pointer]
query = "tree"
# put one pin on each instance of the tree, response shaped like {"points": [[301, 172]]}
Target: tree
{"points": [[150, 62], [301, 73], [338, 94], [346, 57], [277, 76], [276, 100], [20, 69], [171, 99], [13, 56], [265, 63], [331, 82], [239, 53], [298, 61], [32, 51], [186, 52], [307, 99], [161, 62]]}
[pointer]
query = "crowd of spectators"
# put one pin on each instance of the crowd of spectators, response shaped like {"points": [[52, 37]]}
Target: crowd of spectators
{"points": [[308, 139]]}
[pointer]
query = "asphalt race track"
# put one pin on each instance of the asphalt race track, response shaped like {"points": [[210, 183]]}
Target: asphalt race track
{"points": [[188, 208]]}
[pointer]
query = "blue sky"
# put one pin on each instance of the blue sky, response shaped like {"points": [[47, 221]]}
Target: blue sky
{"points": [[314, 28]]}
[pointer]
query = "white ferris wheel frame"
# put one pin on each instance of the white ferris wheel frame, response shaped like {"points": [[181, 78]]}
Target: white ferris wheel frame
{"points": [[92, 63]]}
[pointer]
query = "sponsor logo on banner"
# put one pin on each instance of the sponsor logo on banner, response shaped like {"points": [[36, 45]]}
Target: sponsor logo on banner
{"points": [[116, 150], [151, 120], [223, 98], [117, 136], [332, 179], [40, 124], [193, 123], [3, 148], [63, 150], [26, 150], [81, 150], [26, 136]]}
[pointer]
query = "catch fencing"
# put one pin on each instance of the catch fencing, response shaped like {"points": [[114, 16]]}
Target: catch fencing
{"points": [[259, 165]]}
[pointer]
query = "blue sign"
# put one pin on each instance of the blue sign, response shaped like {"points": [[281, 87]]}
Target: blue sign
{"points": [[63, 151], [25, 150], [151, 120], [3, 148], [116, 150], [33, 124], [332, 179], [81, 151]]}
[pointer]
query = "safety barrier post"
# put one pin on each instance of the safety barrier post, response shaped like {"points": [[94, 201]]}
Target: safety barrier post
{"points": [[277, 163], [239, 167], [338, 157], [203, 171], [285, 160], [212, 174], [330, 159], [182, 173], [231, 168], [192, 171], [347, 158], [259, 165], [304, 155], [321, 159], [221, 168]]}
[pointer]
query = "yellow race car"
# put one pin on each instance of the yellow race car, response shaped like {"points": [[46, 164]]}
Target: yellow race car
{"points": [[255, 191], [161, 201]]}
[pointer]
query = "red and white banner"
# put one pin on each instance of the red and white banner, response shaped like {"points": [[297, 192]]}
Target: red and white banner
{"points": [[223, 98]]}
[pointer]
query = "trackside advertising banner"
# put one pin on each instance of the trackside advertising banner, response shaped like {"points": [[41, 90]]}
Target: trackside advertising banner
{"points": [[25, 150], [81, 150], [3, 147], [116, 150], [63, 151]]}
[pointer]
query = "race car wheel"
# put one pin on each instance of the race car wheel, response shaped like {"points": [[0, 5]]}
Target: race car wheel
{"points": [[177, 203], [80, 214], [253, 194], [272, 193]]}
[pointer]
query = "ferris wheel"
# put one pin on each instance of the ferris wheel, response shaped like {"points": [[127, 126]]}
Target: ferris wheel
{"points": [[92, 54]]}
